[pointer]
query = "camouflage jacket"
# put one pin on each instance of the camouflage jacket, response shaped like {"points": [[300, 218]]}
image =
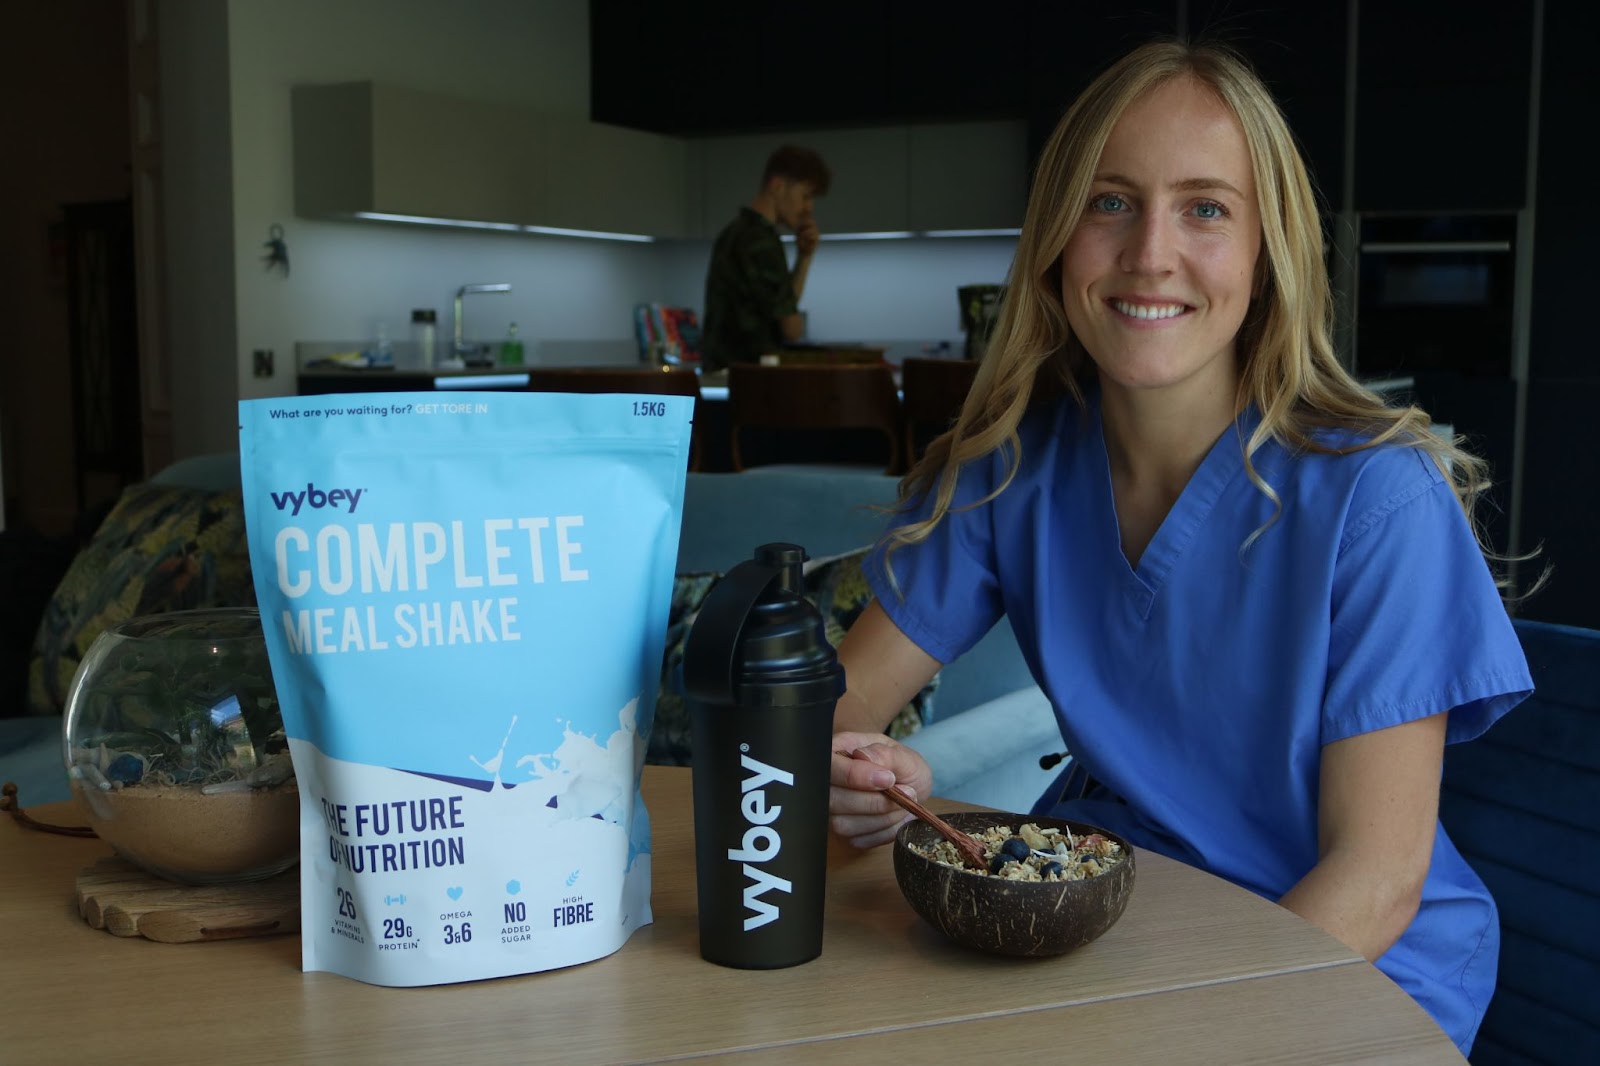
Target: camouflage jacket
{"points": [[748, 289]]}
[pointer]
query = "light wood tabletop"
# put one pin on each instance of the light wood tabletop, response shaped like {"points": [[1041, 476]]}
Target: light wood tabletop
{"points": [[1194, 958], [1335, 1014]]}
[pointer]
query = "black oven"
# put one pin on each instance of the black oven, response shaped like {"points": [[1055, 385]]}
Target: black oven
{"points": [[1434, 317], [1434, 294]]}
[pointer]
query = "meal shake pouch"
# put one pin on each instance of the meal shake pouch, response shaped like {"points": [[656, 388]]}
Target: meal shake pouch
{"points": [[465, 598]]}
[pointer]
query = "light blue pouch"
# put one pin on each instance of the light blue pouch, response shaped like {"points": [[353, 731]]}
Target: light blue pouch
{"points": [[465, 599]]}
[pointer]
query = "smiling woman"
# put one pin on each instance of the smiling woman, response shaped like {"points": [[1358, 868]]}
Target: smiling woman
{"points": [[1157, 278], [1156, 282], [1160, 437]]}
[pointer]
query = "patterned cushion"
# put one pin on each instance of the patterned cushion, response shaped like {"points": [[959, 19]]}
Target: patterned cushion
{"points": [[839, 589], [669, 734], [162, 548]]}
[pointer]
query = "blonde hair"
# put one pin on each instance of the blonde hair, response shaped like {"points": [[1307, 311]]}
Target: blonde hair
{"points": [[1288, 369]]}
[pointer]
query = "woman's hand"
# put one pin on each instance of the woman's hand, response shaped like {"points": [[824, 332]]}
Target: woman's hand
{"points": [[864, 764], [883, 669]]}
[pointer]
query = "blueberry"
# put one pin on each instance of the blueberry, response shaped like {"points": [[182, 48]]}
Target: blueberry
{"points": [[997, 863], [1051, 868], [1016, 848]]}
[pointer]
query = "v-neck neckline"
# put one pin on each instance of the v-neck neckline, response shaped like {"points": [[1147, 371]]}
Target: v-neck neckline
{"points": [[1223, 461]]}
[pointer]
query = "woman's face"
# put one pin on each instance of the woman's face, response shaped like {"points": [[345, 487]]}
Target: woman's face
{"points": [[1157, 277]]}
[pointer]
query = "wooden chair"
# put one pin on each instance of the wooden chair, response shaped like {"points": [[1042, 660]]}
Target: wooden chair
{"points": [[638, 379], [932, 393], [842, 396]]}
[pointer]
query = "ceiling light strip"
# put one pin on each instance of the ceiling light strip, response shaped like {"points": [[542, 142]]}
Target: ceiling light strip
{"points": [[504, 227]]}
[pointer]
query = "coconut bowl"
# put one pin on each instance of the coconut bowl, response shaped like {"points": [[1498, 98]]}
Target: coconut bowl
{"points": [[1002, 916]]}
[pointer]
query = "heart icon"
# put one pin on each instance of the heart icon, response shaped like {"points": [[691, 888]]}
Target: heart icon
{"points": [[513, 887], [454, 892]]}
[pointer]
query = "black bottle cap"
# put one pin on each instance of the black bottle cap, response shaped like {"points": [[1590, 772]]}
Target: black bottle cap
{"points": [[424, 314], [758, 642]]}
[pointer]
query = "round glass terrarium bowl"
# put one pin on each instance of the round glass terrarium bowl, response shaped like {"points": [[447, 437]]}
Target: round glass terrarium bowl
{"points": [[175, 747]]}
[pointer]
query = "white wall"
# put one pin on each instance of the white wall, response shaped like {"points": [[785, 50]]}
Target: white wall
{"points": [[345, 277], [227, 72], [197, 196], [349, 276], [901, 290]]}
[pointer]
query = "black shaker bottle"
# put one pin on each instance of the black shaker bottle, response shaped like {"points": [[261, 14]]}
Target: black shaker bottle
{"points": [[762, 682]]}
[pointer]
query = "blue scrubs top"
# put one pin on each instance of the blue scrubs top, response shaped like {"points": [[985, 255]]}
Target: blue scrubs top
{"points": [[1200, 687]]}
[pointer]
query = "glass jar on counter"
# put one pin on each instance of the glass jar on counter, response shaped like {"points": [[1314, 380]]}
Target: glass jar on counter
{"points": [[424, 334]]}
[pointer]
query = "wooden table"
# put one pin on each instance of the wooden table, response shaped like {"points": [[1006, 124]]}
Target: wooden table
{"points": [[1196, 968]]}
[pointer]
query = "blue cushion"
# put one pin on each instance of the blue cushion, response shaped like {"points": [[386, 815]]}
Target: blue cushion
{"points": [[214, 472], [30, 756], [989, 755], [1519, 802], [829, 512], [727, 516]]}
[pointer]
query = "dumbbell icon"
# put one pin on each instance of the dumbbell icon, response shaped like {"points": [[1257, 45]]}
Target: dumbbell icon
{"points": [[392, 900]]}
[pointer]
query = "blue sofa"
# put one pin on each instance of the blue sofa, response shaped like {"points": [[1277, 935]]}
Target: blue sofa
{"points": [[1520, 804], [989, 757], [988, 723]]}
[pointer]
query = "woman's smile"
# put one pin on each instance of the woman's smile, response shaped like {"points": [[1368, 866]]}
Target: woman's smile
{"points": [[1148, 311]]}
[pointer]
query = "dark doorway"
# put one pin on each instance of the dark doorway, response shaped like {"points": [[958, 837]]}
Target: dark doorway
{"points": [[104, 345]]}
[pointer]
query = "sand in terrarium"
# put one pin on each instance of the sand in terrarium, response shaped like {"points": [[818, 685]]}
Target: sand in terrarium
{"points": [[185, 834]]}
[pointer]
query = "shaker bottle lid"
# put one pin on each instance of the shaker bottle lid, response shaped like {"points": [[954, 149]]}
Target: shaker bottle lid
{"points": [[424, 314], [758, 642]]}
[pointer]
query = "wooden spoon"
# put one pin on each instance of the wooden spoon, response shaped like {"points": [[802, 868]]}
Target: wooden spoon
{"points": [[969, 849]]}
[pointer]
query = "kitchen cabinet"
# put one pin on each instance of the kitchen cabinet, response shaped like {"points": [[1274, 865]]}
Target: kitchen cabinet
{"points": [[953, 60], [367, 147], [1063, 47], [1561, 467], [372, 148], [869, 176], [1566, 227], [1442, 94], [720, 67], [1301, 51], [965, 175], [1560, 502], [600, 177], [364, 148]]}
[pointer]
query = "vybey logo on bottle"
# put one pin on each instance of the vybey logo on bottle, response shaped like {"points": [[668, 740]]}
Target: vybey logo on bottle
{"points": [[761, 841], [316, 499]]}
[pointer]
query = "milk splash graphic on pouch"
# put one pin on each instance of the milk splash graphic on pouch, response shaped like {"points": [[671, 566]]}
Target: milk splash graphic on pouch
{"points": [[465, 602]]}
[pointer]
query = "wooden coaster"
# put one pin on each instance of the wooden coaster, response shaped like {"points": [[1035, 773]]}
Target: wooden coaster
{"points": [[124, 900]]}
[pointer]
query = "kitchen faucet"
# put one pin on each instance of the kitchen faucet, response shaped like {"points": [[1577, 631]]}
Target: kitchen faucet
{"points": [[460, 351]]}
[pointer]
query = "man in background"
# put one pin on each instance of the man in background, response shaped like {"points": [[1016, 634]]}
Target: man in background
{"points": [[752, 294]]}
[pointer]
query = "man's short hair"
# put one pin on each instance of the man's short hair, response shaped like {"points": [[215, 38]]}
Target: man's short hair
{"points": [[798, 164]]}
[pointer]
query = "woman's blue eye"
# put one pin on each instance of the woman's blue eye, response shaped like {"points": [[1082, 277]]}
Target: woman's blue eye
{"points": [[1210, 209], [1108, 201]]}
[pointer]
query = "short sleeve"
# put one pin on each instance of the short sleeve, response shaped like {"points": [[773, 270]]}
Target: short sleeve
{"points": [[945, 593], [1418, 626]]}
